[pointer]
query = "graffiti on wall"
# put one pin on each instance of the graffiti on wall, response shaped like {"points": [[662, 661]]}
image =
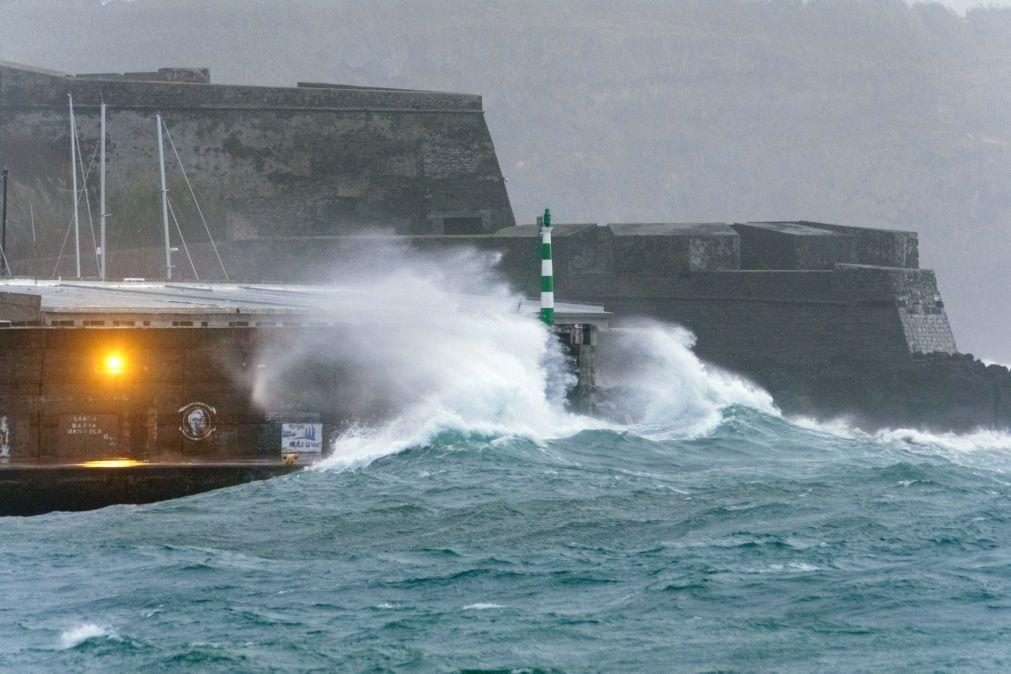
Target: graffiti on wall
{"points": [[88, 433], [196, 421]]}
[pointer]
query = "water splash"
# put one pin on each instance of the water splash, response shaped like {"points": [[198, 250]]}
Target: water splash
{"points": [[420, 359], [79, 634], [443, 361], [660, 387], [983, 448], [490, 375]]}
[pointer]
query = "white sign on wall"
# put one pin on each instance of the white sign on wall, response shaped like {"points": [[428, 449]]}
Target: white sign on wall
{"points": [[301, 438], [5, 439]]}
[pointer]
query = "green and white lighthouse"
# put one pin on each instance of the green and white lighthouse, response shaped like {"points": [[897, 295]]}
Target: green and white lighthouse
{"points": [[547, 271]]}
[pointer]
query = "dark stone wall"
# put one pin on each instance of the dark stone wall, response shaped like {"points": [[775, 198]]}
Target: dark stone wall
{"points": [[669, 249], [742, 318], [938, 392], [817, 245], [264, 162], [61, 406], [790, 246]]}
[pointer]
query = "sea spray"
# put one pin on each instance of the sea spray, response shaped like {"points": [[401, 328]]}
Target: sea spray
{"points": [[499, 384], [429, 342], [484, 374], [655, 383], [79, 634], [434, 342]]}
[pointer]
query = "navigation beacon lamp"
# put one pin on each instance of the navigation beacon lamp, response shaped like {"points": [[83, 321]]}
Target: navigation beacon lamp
{"points": [[547, 271]]}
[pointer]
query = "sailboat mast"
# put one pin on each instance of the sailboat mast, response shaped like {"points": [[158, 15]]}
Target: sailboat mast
{"points": [[164, 203], [102, 213], [73, 173]]}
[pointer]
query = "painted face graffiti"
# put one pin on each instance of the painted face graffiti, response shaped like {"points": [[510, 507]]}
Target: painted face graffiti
{"points": [[197, 421]]}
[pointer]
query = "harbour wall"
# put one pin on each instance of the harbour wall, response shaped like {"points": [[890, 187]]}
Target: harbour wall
{"points": [[60, 403]]}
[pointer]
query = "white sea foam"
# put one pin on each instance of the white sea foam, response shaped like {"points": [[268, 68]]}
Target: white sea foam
{"points": [[497, 373], [426, 360], [418, 359], [77, 635], [951, 442], [840, 426], [481, 606], [982, 448], [987, 449], [665, 389]]}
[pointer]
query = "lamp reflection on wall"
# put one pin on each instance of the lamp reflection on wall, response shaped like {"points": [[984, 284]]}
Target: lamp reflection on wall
{"points": [[113, 463]]}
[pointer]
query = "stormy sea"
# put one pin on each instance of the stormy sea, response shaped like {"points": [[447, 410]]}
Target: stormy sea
{"points": [[689, 527]]}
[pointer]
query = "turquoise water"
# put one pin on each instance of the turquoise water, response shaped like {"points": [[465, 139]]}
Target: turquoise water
{"points": [[755, 544]]}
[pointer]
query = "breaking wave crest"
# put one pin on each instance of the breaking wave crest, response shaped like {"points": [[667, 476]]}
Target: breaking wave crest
{"points": [[476, 366], [498, 373], [662, 390], [79, 634], [983, 448]]}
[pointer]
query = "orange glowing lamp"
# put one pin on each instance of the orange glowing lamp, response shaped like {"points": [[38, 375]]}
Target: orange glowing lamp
{"points": [[112, 364]]}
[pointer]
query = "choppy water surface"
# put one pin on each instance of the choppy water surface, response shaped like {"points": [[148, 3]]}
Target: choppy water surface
{"points": [[760, 545], [709, 534]]}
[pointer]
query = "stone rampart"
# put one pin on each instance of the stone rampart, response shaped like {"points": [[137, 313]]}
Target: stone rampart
{"points": [[263, 161], [884, 247], [816, 245], [31, 88]]}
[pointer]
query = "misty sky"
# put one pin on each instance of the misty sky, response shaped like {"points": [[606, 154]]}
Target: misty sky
{"points": [[961, 6]]}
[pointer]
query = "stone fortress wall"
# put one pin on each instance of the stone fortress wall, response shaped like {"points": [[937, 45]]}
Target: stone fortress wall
{"points": [[805, 296], [304, 161]]}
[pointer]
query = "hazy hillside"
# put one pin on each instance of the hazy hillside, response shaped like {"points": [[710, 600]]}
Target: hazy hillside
{"points": [[858, 111]]}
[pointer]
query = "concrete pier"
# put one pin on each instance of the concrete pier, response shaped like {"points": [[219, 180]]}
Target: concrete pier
{"points": [[34, 489]]}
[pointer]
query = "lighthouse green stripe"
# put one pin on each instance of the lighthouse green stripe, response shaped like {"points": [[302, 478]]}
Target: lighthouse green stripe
{"points": [[545, 251], [548, 315], [547, 284]]}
